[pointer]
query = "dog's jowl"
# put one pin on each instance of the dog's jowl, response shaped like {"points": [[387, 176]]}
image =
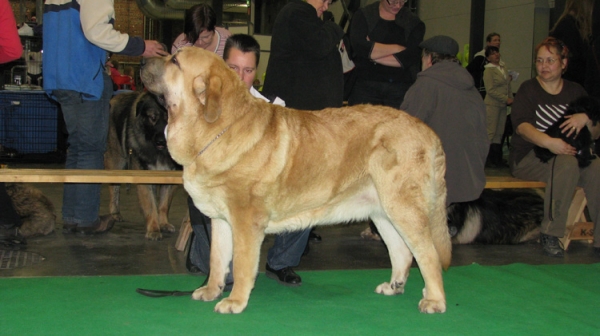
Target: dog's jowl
{"points": [[256, 168]]}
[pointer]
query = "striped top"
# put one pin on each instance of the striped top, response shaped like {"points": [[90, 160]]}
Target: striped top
{"points": [[221, 34]]}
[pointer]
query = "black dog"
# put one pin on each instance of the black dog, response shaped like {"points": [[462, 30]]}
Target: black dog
{"points": [[136, 140], [497, 217], [583, 141]]}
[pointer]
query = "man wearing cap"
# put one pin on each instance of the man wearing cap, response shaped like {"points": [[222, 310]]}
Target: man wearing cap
{"points": [[445, 98]]}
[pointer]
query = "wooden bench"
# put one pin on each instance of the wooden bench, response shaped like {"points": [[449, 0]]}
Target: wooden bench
{"points": [[578, 228], [91, 176]]}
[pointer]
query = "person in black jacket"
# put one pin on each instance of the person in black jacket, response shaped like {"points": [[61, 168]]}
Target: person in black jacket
{"points": [[574, 28], [305, 67], [385, 39]]}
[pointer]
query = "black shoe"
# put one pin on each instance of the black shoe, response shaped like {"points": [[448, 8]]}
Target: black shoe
{"points": [[314, 237], [552, 246], [285, 276]]}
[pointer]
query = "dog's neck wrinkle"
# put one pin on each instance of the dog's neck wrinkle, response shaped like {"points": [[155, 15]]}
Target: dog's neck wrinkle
{"points": [[213, 140]]}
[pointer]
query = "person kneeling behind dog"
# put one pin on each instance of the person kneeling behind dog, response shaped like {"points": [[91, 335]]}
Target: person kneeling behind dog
{"points": [[242, 53]]}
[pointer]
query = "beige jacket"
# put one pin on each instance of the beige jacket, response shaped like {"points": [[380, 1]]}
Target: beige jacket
{"points": [[497, 85]]}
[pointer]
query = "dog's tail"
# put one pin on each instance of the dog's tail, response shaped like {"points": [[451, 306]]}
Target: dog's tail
{"points": [[437, 208]]}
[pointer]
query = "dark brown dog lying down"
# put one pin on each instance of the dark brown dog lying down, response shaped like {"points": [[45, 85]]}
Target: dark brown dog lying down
{"points": [[258, 168]]}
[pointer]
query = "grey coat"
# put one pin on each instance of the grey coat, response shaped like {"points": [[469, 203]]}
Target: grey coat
{"points": [[445, 98]]}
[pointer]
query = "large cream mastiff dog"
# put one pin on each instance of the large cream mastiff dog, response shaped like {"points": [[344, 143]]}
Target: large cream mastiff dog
{"points": [[258, 168]]}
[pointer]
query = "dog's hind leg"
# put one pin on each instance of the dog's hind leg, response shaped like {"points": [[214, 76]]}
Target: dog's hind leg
{"points": [[221, 251], [148, 206], [165, 196], [417, 210], [400, 256]]}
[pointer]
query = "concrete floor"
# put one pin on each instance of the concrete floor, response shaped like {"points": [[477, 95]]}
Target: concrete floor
{"points": [[125, 251]]}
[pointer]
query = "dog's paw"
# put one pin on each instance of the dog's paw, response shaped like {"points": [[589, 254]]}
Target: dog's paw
{"points": [[153, 235], [166, 227], [387, 288], [206, 294], [229, 306], [432, 306], [117, 216]]}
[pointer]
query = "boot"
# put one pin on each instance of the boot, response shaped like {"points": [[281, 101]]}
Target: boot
{"points": [[552, 246], [490, 161], [495, 156], [498, 159]]}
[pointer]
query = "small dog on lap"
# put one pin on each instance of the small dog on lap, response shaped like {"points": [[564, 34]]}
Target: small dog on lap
{"points": [[582, 141]]}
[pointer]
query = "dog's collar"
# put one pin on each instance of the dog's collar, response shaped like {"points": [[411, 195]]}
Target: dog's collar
{"points": [[213, 140]]}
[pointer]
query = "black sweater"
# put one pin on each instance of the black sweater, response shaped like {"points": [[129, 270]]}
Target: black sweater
{"points": [[305, 67]]}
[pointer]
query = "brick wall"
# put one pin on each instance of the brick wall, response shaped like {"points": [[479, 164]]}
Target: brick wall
{"points": [[129, 19]]}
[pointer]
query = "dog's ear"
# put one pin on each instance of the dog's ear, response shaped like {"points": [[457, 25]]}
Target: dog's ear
{"points": [[208, 93]]}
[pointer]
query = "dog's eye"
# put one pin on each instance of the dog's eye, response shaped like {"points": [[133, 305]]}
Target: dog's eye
{"points": [[174, 60]]}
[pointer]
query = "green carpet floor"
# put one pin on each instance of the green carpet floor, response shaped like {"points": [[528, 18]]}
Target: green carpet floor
{"points": [[482, 300]]}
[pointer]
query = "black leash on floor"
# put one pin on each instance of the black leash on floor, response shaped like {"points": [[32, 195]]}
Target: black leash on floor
{"points": [[156, 293]]}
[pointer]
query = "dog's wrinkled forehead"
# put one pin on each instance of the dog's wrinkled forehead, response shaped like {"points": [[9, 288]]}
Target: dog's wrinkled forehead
{"points": [[185, 66], [192, 61]]}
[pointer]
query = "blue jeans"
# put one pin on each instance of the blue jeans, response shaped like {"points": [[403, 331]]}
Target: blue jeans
{"points": [[87, 125], [285, 252]]}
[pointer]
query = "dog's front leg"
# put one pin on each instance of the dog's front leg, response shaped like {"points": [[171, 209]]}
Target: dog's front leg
{"points": [[113, 204], [147, 201], [247, 239], [220, 257], [165, 196]]}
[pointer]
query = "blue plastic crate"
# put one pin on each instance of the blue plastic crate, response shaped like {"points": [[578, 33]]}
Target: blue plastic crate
{"points": [[28, 122]]}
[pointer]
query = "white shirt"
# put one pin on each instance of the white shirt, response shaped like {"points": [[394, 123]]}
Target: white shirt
{"points": [[277, 101]]}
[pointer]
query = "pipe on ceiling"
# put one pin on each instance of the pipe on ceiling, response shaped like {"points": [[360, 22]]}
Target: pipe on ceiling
{"points": [[158, 10]]}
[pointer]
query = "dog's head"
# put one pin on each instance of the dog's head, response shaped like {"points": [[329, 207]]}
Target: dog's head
{"points": [[585, 104], [152, 117], [193, 82]]}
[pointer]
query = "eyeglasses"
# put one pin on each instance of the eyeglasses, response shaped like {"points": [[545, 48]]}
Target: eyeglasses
{"points": [[396, 2], [549, 61]]}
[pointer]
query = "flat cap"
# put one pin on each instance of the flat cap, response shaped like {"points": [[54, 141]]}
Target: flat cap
{"points": [[441, 44]]}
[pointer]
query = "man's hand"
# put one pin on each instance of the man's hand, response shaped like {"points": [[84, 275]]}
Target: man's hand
{"points": [[154, 49]]}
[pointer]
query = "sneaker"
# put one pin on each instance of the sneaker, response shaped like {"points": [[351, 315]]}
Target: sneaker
{"points": [[552, 246]]}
